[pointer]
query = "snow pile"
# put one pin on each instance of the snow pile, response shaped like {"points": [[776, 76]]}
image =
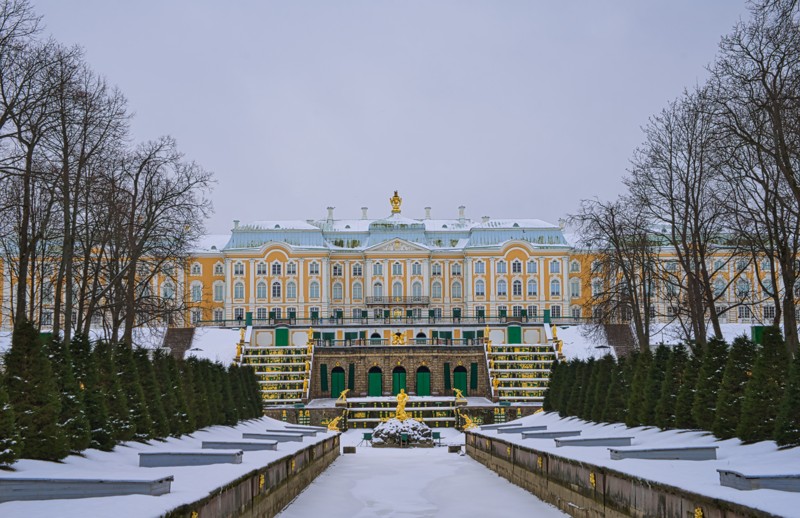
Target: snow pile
{"points": [[388, 433], [581, 344], [762, 458], [215, 344]]}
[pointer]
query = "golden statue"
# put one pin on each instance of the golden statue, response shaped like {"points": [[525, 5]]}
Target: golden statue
{"points": [[333, 426], [305, 385], [495, 383], [238, 351], [395, 201], [400, 413], [343, 396], [310, 334], [469, 424], [398, 338], [459, 395], [241, 335], [487, 340]]}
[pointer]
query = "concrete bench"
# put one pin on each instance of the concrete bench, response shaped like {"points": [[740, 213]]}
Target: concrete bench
{"points": [[553, 434], [520, 429], [499, 425], [306, 427], [595, 441], [241, 445], [307, 433], [744, 482], [188, 458], [274, 436], [684, 453], [15, 488]]}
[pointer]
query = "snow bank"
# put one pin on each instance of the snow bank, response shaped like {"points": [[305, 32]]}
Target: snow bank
{"points": [[215, 344], [578, 345]]}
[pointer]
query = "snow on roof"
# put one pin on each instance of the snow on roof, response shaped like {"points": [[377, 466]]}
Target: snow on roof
{"points": [[211, 242], [350, 225], [443, 225], [288, 224], [516, 223]]}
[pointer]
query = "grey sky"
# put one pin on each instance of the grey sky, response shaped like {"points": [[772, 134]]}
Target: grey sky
{"points": [[512, 108]]}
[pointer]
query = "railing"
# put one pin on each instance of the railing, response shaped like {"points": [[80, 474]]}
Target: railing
{"points": [[394, 320], [387, 300]]}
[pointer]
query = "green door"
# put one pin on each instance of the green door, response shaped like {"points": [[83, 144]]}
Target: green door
{"points": [[281, 336], [375, 382], [398, 380], [514, 335], [460, 379], [469, 337], [423, 381], [337, 381], [328, 338]]}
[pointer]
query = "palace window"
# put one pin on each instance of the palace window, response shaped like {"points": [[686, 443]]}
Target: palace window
{"points": [[197, 292], [357, 270], [436, 290], [196, 316], [480, 288], [575, 312], [516, 288], [501, 267], [356, 313], [313, 268], [516, 266], [238, 290], [455, 269], [769, 312], [575, 288], [377, 268], [742, 288], [261, 268], [337, 291], [516, 311], [744, 312], [218, 291], [291, 290], [555, 266], [574, 267], [168, 291], [533, 288], [218, 269], [261, 313], [291, 268], [377, 290], [337, 270], [196, 269], [276, 290], [416, 269], [597, 287], [261, 290], [397, 290], [480, 267], [502, 288], [416, 289], [532, 266], [313, 290], [238, 313], [456, 290], [555, 288], [278, 312], [436, 270], [238, 268], [218, 315], [276, 269], [397, 269], [555, 311], [533, 311]]}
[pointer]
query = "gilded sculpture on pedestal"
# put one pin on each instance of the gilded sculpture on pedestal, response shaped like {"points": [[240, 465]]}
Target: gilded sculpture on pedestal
{"points": [[395, 201], [400, 413]]}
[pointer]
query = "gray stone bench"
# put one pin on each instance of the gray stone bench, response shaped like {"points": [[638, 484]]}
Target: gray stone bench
{"points": [[683, 453], [293, 427], [551, 434], [499, 425], [595, 441], [741, 481], [520, 429], [15, 488], [188, 458], [241, 445], [274, 436], [308, 433]]}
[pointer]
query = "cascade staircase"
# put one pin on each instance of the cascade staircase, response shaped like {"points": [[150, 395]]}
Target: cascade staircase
{"points": [[284, 372], [519, 373]]}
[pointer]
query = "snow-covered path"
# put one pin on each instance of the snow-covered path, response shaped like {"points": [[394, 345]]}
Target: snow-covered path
{"points": [[390, 482]]}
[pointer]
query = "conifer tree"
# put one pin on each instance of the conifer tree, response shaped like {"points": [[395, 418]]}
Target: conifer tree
{"points": [[134, 394], [72, 419], [253, 392], [152, 393], [738, 370], [237, 390], [167, 392], [787, 426], [573, 403], [704, 404], [685, 398], [587, 398], [94, 396], [198, 399], [553, 392], [183, 420], [652, 390], [618, 389], [604, 366], [33, 392], [763, 393], [10, 445], [119, 419], [231, 412], [637, 390], [673, 379], [570, 372]]}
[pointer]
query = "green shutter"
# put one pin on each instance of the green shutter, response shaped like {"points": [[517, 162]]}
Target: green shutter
{"points": [[351, 376], [447, 377], [473, 376], [323, 377]]}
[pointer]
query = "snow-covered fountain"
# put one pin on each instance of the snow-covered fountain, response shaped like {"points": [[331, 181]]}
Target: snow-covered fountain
{"points": [[402, 430]]}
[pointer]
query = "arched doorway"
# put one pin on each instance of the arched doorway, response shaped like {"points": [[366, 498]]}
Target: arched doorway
{"points": [[375, 339], [421, 338], [398, 380], [423, 381], [460, 379], [375, 382], [337, 381]]}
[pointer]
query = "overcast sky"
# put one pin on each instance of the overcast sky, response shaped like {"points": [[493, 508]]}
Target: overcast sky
{"points": [[512, 108]]}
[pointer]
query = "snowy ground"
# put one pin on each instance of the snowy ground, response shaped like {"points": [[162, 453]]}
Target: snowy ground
{"points": [[697, 476], [191, 482], [412, 482]]}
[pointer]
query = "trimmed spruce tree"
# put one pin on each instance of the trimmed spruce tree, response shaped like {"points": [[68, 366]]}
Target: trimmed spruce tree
{"points": [[10, 445], [763, 394], [573, 403], [152, 393], [587, 401], [33, 391], [738, 370], [553, 392], [787, 426], [673, 379], [94, 396], [182, 421], [570, 375], [134, 394], [704, 404], [166, 391], [603, 367], [685, 398], [652, 387], [72, 419], [637, 391], [618, 388], [119, 419]]}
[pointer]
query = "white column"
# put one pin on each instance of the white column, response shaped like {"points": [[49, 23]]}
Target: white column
{"points": [[252, 298], [228, 288]]}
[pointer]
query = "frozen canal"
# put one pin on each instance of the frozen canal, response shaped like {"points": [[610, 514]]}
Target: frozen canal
{"points": [[389, 482]]}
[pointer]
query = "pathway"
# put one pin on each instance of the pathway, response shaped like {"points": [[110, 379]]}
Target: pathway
{"points": [[424, 482]]}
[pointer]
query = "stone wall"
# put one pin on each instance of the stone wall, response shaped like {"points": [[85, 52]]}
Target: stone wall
{"points": [[588, 491], [266, 491], [408, 357]]}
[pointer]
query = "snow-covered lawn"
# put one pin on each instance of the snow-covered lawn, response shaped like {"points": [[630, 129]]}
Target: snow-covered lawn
{"points": [[191, 482], [696, 476], [392, 482]]}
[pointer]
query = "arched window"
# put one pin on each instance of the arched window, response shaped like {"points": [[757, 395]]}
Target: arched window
{"points": [[502, 288], [276, 290], [291, 290], [516, 288], [377, 268], [480, 267], [533, 288], [261, 290], [480, 288], [416, 289], [555, 266], [357, 270], [238, 290], [397, 290], [416, 269], [575, 267], [377, 290], [397, 269], [197, 292], [555, 288], [358, 291], [719, 287], [455, 291], [276, 269], [313, 290], [742, 288], [337, 291], [516, 266], [436, 270], [436, 290]]}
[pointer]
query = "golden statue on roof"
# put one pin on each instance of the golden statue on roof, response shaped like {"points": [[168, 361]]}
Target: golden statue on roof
{"points": [[395, 201]]}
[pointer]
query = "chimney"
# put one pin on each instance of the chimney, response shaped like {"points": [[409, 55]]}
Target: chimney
{"points": [[330, 214], [235, 224], [485, 219], [363, 212], [461, 214], [427, 213]]}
